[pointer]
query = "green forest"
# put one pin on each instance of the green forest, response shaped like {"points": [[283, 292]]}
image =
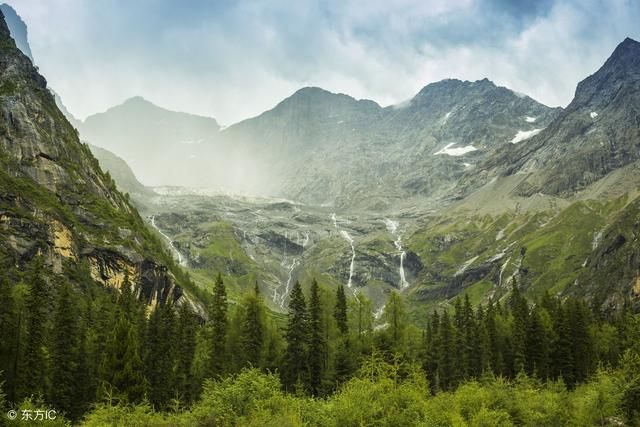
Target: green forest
{"points": [[99, 357]]}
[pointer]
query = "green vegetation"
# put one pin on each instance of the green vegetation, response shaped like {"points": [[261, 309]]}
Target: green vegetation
{"points": [[481, 256], [99, 357]]}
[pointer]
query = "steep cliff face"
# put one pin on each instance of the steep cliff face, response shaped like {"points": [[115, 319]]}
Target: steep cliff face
{"points": [[596, 134], [55, 201]]}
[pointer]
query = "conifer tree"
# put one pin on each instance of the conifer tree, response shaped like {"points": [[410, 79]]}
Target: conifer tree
{"points": [[340, 312], [159, 363], [432, 344], [65, 353], [219, 324], [494, 352], [343, 364], [8, 329], [121, 370], [446, 350], [537, 345], [519, 310], [32, 374], [187, 329], [294, 370], [395, 316], [253, 328], [317, 345], [563, 353]]}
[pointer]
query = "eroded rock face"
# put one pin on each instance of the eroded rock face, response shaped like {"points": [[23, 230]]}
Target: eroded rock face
{"points": [[597, 133], [55, 201]]}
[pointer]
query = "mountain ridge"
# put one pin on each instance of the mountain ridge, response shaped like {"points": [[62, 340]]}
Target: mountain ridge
{"points": [[55, 201]]}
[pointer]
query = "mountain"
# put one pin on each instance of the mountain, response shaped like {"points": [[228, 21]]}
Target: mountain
{"points": [[18, 29], [556, 212], [160, 145], [331, 149], [324, 148], [596, 134], [121, 173], [55, 201]]}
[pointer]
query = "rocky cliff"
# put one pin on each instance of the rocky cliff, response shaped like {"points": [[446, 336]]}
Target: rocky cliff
{"points": [[55, 201]]}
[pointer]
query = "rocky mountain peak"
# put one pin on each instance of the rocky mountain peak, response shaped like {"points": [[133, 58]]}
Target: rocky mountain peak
{"points": [[17, 28], [5, 34], [321, 98], [622, 69], [55, 201]]}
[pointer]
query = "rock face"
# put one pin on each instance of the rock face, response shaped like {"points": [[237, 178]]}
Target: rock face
{"points": [[54, 198], [325, 148], [597, 133], [18, 29]]}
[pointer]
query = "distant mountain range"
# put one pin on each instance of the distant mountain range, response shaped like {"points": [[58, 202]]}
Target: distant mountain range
{"points": [[489, 187], [324, 148]]}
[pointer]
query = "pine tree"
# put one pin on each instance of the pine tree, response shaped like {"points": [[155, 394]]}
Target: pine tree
{"points": [[294, 370], [340, 312], [519, 311], [127, 303], [395, 316], [459, 357], [343, 364], [65, 353], [187, 328], [494, 352], [160, 360], [219, 323], [253, 328], [446, 355], [537, 345], [33, 365], [121, 370], [317, 345], [579, 323], [432, 344], [8, 329], [563, 352]]}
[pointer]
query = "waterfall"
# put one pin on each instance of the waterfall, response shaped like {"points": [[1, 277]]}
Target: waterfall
{"points": [[300, 241], [287, 286], [393, 228], [345, 235], [175, 251], [349, 239]]}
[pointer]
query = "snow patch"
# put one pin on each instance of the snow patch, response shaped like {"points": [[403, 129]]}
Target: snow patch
{"points": [[524, 134], [530, 119], [593, 114], [466, 165], [450, 150]]}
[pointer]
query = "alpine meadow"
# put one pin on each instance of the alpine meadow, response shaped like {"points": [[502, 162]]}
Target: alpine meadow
{"points": [[457, 253]]}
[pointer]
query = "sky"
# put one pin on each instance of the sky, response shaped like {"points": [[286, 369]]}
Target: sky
{"points": [[235, 59]]}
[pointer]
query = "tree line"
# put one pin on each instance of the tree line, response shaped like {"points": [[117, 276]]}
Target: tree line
{"points": [[69, 343]]}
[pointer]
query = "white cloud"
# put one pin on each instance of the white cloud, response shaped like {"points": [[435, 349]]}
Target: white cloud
{"points": [[242, 58]]}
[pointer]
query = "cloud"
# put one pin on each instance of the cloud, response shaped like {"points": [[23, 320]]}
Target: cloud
{"points": [[233, 60]]}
